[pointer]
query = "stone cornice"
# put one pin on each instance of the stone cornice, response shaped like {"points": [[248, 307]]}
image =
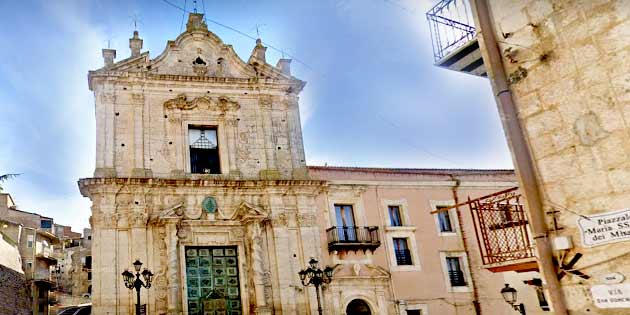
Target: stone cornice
{"points": [[295, 84], [86, 184]]}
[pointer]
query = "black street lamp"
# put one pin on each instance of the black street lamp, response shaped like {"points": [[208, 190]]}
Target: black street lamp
{"points": [[509, 295], [133, 281], [316, 276]]}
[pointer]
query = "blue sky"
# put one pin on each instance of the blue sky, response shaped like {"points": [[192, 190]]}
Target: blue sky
{"points": [[373, 97]]}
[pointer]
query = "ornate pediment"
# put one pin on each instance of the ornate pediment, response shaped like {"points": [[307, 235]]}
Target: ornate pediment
{"points": [[222, 103], [175, 211], [200, 55], [248, 212]]}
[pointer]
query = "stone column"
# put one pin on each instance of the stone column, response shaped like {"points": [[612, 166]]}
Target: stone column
{"points": [[254, 230], [138, 243], [231, 135], [174, 300]]}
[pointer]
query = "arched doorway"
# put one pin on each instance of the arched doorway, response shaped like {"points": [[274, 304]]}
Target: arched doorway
{"points": [[358, 307]]}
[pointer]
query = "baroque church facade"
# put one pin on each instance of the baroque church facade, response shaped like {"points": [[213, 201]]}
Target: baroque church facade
{"points": [[201, 175]]}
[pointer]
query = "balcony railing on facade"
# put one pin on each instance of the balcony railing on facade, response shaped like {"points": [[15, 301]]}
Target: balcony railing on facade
{"points": [[403, 257], [502, 231], [42, 277], [454, 37], [456, 277], [353, 238]]}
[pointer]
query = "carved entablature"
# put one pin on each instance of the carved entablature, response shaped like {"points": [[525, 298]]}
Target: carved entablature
{"points": [[265, 101], [222, 103], [104, 220]]}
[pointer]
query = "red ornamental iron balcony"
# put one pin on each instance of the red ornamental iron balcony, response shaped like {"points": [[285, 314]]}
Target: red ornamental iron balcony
{"points": [[502, 231], [353, 238]]}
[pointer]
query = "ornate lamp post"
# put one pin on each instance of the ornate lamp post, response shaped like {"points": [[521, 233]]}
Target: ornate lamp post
{"points": [[133, 281], [316, 276], [509, 295]]}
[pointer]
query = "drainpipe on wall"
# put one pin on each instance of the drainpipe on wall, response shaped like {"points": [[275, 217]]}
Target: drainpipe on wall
{"points": [[473, 284], [521, 155]]}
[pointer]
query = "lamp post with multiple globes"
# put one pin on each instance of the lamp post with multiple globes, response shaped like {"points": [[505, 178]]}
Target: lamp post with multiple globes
{"points": [[316, 276], [133, 281]]}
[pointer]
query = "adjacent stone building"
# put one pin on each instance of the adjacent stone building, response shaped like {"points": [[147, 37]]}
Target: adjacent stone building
{"points": [[560, 73], [15, 295], [33, 235], [200, 174]]}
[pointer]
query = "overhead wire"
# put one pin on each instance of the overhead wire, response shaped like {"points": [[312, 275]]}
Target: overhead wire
{"points": [[282, 51], [181, 25]]}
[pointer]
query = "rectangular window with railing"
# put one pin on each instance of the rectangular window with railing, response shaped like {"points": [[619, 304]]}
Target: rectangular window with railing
{"points": [[204, 150], [403, 254], [455, 272], [395, 219]]}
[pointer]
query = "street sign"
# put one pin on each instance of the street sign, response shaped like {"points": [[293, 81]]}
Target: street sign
{"points": [[605, 228], [611, 295]]}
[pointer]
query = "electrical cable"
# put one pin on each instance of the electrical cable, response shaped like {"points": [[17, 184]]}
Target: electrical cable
{"points": [[243, 34]]}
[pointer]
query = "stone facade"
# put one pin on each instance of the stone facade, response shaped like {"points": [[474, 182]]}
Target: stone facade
{"points": [[567, 62], [234, 235], [147, 204]]}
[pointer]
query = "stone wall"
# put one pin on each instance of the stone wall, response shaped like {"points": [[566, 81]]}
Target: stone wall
{"points": [[15, 295], [568, 65]]}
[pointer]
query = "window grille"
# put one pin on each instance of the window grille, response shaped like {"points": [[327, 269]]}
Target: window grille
{"points": [[455, 273], [204, 151], [402, 252]]}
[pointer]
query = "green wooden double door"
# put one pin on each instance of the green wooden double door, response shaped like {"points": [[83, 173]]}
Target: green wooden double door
{"points": [[212, 281]]}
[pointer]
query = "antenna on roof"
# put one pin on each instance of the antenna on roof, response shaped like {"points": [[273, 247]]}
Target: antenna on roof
{"points": [[258, 29], [134, 19], [195, 6]]}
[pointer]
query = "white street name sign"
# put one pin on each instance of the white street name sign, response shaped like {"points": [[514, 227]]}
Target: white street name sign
{"points": [[610, 227], [611, 295]]}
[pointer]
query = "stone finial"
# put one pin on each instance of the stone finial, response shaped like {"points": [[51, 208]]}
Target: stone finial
{"points": [[108, 56], [284, 65], [135, 43], [196, 23], [259, 51]]}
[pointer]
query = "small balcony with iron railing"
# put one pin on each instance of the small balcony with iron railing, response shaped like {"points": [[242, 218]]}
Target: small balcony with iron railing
{"points": [[502, 231], [456, 278], [454, 37], [353, 238]]}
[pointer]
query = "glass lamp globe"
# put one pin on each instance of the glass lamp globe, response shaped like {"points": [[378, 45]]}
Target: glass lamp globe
{"points": [[509, 294], [137, 265]]}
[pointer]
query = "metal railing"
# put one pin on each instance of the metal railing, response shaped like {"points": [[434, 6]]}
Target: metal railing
{"points": [[451, 24], [456, 278], [353, 236], [501, 227], [403, 257]]}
